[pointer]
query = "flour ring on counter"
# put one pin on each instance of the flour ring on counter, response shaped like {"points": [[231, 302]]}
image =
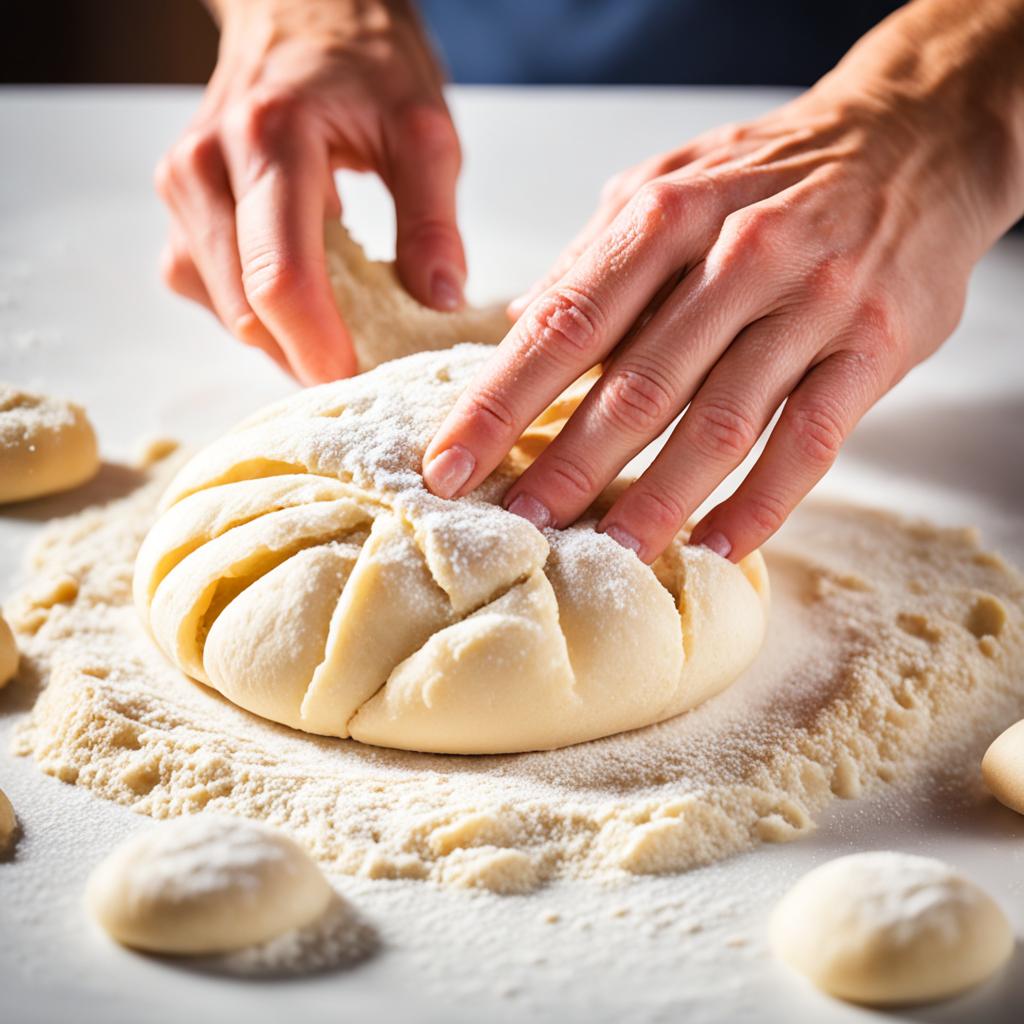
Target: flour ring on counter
{"points": [[890, 929], [300, 567], [206, 884], [46, 445]]}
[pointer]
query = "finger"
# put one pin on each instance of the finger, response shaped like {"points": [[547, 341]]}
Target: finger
{"points": [[278, 170], [424, 168], [195, 185], [179, 273], [725, 418], [645, 385], [567, 330], [816, 420]]}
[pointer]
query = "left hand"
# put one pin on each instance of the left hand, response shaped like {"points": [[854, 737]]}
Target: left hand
{"points": [[810, 257]]}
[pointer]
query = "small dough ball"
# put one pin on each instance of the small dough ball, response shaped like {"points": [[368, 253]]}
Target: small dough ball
{"points": [[46, 445], [889, 929], [1003, 768], [8, 822], [8, 654], [206, 884]]}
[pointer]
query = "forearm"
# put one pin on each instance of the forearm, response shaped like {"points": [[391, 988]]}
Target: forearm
{"points": [[956, 71]]}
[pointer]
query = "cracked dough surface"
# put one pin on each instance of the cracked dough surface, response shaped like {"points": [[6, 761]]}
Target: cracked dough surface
{"points": [[300, 568]]}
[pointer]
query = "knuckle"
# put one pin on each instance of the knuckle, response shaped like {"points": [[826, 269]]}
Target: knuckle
{"points": [[721, 429], [162, 178], [174, 269], [565, 324], [271, 280], [817, 432], [749, 231], [661, 200], [570, 477], [828, 278], [766, 511], [660, 511], [489, 411], [637, 401], [430, 233], [196, 156], [428, 130], [263, 120]]}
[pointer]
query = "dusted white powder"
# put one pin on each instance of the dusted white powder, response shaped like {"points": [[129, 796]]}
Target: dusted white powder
{"points": [[892, 645]]}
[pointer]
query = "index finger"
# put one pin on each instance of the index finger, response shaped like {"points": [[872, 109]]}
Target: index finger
{"points": [[567, 330], [279, 175]]}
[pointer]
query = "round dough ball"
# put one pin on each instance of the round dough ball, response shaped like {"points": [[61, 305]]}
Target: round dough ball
{"points": [[46, 445], [205, 884], [1003, 768], [8, 654], [300, 567], [8, 822], [890, 929]]}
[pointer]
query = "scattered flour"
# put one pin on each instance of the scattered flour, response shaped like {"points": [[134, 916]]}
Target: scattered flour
{"points": [[894, 648]]}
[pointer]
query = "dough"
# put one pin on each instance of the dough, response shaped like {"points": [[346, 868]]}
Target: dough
{"points": [[8, 654], [205, 884], [8, 823], [384, 320], [46, 445], [1003, 768], [889, 928], [300, 568]]}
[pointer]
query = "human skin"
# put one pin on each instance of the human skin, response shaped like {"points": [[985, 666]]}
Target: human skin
{"points": [[811, 257], [302, 88]]}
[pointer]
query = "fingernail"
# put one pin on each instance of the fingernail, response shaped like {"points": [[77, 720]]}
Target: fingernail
{"points": [[625, 538], [717, 542], [531, 510], [445, 291], [446, 473]]}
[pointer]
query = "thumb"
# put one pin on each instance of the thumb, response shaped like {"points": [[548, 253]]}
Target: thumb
{"points": [[429, 253]]}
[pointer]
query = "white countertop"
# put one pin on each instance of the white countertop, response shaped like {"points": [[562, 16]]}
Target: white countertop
{"points": [[82, 313]]}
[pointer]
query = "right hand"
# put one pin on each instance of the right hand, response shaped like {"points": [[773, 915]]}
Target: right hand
{"points": [[301, 89]]}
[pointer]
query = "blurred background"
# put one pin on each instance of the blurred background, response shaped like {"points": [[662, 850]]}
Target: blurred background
{"points": [[644, 42]]}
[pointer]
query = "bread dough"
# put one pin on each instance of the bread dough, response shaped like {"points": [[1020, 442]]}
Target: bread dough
{"points": [[46, 445], [205, 884], [1003, 768], [301, 568], [384, 320], [8, 654], [887, 928], [8, 823]]}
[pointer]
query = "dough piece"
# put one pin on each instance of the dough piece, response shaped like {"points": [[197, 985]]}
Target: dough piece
{"points": [[384, 320], [1003, 768], [46, 445], [205, 884], [301, 568], [890, 929], [8, 823], [8, 654]]}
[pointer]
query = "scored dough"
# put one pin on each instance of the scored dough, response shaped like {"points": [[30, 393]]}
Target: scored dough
{"points": [[205, 884], [301, 568], [890, 929], [8, 654], [384, 320], [46, 445], [1003, 768]]}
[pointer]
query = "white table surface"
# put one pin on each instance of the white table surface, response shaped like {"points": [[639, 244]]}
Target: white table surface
{"points": [[83, 313]]}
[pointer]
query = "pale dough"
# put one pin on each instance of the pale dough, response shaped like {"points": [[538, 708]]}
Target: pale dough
{"points": [[205, 884], [8, 823], [1003, 768], [8, 654], [887, 928], [46, 445], [384, 320], [300, 568]]}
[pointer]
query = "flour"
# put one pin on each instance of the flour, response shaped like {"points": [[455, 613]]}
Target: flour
{"points": [[879, 665]]}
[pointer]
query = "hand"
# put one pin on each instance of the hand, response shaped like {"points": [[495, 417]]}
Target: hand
{"points": [[811, 258], [301, 89]]}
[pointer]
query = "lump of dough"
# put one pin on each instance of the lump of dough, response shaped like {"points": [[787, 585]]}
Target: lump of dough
{"points": [[384, 320], [889, 929], [46, 445], [1003, 768], [8, 823], [8, 654], [300, 567], [205, 884]]}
